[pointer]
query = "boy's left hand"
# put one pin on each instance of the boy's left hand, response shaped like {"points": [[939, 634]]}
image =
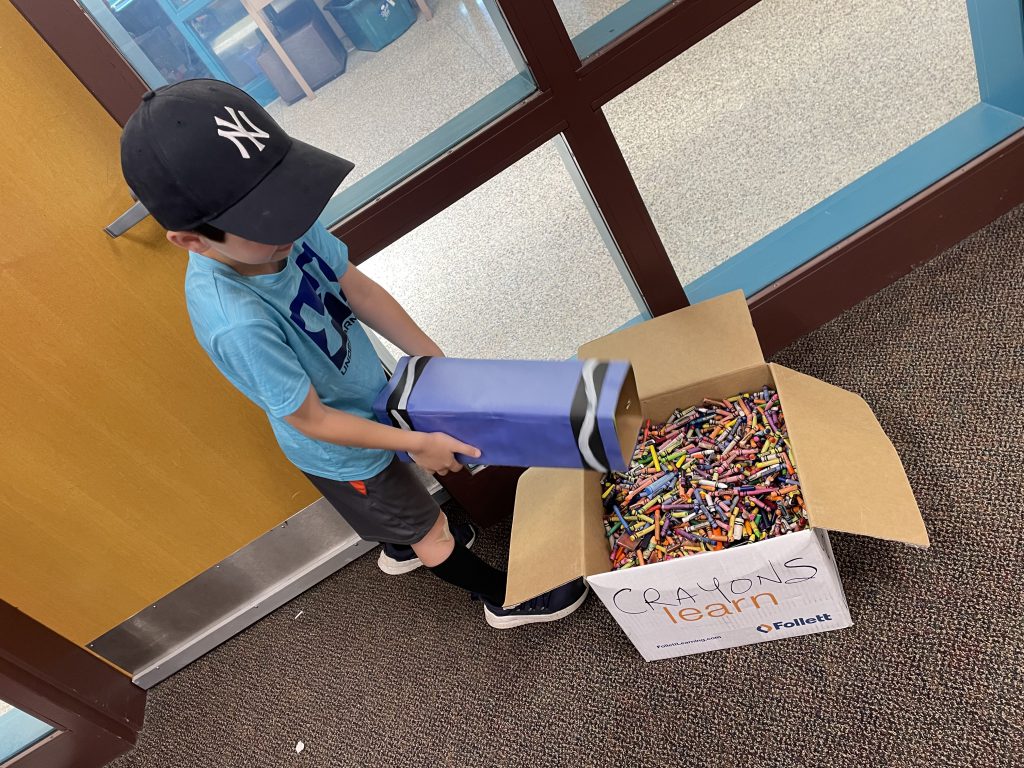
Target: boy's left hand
{"points": [[437, 454]]}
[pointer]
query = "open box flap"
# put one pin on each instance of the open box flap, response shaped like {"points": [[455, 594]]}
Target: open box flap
{"points": [[549, 545], [851, 475], [686, 346]]}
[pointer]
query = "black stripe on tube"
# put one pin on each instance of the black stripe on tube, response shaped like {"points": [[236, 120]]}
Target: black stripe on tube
{"points": [[396, 395], [580, 409], [596, 443], [398, 410], [419, 366]]}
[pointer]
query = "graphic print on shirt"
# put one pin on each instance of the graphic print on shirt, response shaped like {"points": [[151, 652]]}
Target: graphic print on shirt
{"points": [[324, 317]]}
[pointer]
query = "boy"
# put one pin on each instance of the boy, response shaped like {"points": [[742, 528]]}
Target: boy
{"points": [[274, 302]]}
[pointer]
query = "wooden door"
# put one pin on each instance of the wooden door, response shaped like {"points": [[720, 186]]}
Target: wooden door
{"points": [[128, 464]]}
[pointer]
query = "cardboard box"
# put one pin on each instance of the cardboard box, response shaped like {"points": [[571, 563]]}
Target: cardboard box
{"points": [[520, 413], [768, 590]]}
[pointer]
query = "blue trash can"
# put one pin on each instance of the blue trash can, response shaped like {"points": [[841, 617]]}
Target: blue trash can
{"points": [[372, 24]]}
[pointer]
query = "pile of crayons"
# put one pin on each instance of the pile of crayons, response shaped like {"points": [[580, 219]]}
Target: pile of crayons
{"points": [[713, 476]]}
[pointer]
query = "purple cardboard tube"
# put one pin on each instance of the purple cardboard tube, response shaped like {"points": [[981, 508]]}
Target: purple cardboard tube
{"points": [[520, 413]]}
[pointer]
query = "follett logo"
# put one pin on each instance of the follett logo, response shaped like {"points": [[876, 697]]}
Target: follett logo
{"points": [[820, 618]]}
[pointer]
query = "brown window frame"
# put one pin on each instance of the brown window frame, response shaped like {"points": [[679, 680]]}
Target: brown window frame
{"points": [[95, 708], [569, 99], [570, 95]]}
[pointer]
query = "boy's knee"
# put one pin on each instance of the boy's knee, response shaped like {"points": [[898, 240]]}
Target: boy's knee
{"points": [[445, 532], [437, 544], [439, 532]]}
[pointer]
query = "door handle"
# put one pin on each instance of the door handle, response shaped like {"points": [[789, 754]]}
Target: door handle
{"points": [[126, 220]]}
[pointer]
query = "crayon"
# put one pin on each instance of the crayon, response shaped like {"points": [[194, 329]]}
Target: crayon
{"points": [[711, 477]]}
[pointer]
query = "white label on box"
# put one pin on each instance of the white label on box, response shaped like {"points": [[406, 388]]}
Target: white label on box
{"points": [[770, 590]]}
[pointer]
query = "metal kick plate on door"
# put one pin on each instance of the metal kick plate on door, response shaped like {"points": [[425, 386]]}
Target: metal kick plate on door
{"points": [[232, 595]]}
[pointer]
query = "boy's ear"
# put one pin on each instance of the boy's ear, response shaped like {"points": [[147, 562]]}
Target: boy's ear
{"points": [[190, 241]]}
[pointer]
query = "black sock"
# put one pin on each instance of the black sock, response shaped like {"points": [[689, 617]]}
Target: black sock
{"points": [[466, 570]]}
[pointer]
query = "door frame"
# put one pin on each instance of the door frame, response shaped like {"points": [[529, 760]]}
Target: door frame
{"points": [[95, 707]]}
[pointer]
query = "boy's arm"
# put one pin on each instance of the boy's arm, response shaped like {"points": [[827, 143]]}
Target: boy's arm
{"points": [[434, 451], [379, 310]]}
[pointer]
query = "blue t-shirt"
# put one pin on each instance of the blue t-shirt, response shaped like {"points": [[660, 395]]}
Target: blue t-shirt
{"points": [[274, 335]]}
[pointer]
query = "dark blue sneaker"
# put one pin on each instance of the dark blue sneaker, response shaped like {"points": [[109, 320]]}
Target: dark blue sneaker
{"points": [[551, 606], [396, 559]]}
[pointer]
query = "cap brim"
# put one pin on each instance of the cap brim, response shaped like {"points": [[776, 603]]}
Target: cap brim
{"points": [[289, 199]]}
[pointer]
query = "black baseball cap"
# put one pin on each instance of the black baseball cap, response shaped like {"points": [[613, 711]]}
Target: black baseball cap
{"points": [[205, 152]]}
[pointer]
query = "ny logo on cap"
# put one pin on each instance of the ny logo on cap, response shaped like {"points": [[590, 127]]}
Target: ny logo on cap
{"points": [[237, 131]]}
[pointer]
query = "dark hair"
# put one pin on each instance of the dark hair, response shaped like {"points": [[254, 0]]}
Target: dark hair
{"points": [[210, 232]]}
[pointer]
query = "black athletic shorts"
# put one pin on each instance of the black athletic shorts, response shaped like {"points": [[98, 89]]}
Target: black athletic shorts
{"points": [[391, 507]]}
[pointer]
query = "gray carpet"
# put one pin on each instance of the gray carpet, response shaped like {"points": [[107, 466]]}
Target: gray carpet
{"points": [[402, 671]]}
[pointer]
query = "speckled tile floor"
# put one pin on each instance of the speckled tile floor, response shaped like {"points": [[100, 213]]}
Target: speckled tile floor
{"points": [[769, 115]]}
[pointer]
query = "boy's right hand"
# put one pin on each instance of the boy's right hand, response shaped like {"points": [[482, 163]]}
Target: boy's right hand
{"points": [[437, 453]]}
